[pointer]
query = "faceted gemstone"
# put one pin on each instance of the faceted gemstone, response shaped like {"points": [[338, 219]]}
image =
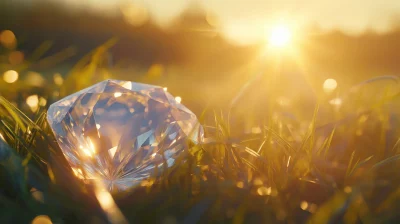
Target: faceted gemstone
{"points": [[121, 132]]}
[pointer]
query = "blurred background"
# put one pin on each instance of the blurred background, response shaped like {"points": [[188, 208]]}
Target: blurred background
{"points": [[290, 52], [259, 68]]}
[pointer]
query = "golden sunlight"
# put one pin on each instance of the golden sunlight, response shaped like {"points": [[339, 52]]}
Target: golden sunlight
{"points": [[280, 36]]}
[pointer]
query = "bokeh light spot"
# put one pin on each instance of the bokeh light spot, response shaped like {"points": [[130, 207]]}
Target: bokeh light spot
{"points": [[240, 184], [8, 39], [37, 195], [336, 102], [16, 57], [10, 76], [42, 219], [257, 181], [304, 205], [329, 85], [58, 79], [34, 79], [42, 102], [264, 191], [33, 102], [347, 189]]}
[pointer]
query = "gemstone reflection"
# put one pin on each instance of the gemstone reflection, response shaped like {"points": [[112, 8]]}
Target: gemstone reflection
{"points": [[119, 132]]}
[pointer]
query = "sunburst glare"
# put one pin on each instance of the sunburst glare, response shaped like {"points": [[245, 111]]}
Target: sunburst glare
{"points": [[280, 36]]}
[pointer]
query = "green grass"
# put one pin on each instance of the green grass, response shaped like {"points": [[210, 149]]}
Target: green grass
{"points": [[339, 166], [265, 178]]}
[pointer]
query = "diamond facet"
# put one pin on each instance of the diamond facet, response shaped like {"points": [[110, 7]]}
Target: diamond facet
{"points": [[119, 132]]}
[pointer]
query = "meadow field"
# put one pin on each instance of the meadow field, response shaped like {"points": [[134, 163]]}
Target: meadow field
{"points": [[305, 133]]}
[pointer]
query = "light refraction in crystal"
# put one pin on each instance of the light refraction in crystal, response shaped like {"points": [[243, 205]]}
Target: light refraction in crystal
{"points": [[119, 132]]}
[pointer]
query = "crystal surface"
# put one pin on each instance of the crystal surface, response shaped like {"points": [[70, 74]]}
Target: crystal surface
{"points": [[120, 132]]}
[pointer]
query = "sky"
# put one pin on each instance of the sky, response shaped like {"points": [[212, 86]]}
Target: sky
{"points": [[248, 20]]}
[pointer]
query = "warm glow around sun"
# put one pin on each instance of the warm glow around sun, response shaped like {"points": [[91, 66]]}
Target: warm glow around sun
{"points": [[280, 36]]}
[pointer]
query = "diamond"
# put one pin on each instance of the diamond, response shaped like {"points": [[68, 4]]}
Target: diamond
{"points": [[121, 132]]}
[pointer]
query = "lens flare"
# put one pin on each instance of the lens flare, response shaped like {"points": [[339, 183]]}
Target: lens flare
{"points": [[280, 36]]}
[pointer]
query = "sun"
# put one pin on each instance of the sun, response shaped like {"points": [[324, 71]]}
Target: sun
{"points": [[280, 36]]}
